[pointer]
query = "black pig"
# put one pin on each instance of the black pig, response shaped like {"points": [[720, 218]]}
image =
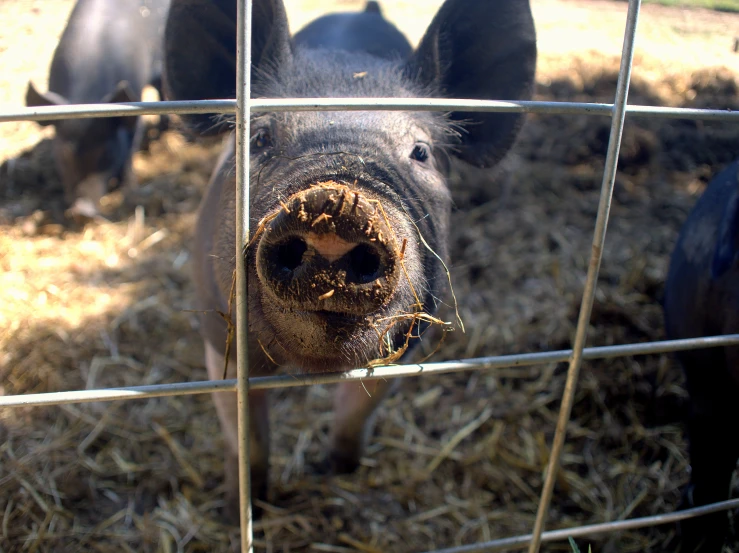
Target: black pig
{"points": [[367, 32], [108, 52], [702, 299], [337, 264]]}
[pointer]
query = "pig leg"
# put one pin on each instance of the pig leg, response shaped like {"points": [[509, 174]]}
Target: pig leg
{"points": [[126, 177], [164, 121], [713, 457], [139, 136], [713, 451], [226, 406], [354, 419]]}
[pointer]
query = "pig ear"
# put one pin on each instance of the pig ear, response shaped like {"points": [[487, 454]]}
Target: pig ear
{"points": [[122, 93], [200, 50], [100, 129], [727, 241], [34, 98], [480, 49]]}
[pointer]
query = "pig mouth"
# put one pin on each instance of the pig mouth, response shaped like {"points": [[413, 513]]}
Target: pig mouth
{"points": [[323, 341], [336, 320], [327, 325]]}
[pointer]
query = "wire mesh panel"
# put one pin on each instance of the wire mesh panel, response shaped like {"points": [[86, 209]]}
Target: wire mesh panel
{"points": [[243, 106]]}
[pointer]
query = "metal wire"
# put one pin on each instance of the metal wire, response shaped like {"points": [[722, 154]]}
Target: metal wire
{"points": [[378, 373], [243, 106], [588, 297], [243, 95], [517, 542], [48, 113]]}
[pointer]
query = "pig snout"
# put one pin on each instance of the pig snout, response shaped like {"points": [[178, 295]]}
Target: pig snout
{"points": [[329, 248]]}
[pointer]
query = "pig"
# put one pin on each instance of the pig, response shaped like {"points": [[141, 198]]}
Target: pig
{"points": [[108, 52], [702, 299], [350, 32], [349, 211]]}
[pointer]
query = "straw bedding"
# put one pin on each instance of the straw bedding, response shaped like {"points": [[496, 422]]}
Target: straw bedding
{"points": [[456, 458]]}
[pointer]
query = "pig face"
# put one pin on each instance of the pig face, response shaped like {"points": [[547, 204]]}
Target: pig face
{"points": [[339, 266]]}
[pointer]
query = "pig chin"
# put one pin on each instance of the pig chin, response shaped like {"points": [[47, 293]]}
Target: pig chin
{"points": [[322, 341]]}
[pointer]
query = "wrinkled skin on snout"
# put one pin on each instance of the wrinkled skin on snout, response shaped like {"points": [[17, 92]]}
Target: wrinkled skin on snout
{"points": [[343, 204], [702, 299], [107, 53]]}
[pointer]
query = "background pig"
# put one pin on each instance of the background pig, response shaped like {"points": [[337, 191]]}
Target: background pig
{"points": [[366, 32], [329, 272], [108, 52], [702, 299]]}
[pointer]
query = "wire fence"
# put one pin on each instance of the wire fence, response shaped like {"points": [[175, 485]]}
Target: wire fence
{"points": [[358, 104], [243, 106]]}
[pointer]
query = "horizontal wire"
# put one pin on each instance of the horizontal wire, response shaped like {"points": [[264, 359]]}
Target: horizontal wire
{"points": [[378, 373], [49, 113], [520, 542]]}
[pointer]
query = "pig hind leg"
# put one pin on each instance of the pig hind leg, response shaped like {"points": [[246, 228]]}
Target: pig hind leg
{"points": [[226, 406], [713, 444], [355, 405]]}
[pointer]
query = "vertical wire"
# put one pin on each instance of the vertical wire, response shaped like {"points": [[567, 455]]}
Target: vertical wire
{"points": [[243, 93], [599, 236]]}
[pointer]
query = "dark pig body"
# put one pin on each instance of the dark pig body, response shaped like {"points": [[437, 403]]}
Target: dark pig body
{"points": [[702, 299], [343, 204], [109, 51], [366, 32]]}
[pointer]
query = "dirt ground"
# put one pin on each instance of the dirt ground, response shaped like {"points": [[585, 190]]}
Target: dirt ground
{"points": [[109, 304]]}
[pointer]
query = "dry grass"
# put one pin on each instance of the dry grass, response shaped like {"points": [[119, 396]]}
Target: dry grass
{"points": [[456, 458]]}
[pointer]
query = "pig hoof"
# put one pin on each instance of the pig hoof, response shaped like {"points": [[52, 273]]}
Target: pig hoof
{"points": [[341, 463], [321, 468], [335, 464], [83, 210], [231, 510], [704, 534]]}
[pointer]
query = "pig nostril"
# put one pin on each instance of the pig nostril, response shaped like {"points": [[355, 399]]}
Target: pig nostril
{"points": [[288, 256], [364, 264]]}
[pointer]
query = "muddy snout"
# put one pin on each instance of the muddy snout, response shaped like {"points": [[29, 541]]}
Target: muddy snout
{"points": [[329, 248]]}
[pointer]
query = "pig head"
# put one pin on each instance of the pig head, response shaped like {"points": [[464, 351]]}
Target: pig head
{"points": [[90, 154]]}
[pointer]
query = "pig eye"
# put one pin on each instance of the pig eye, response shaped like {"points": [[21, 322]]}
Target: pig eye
{"points": [[420, 152], [262, 138]]}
